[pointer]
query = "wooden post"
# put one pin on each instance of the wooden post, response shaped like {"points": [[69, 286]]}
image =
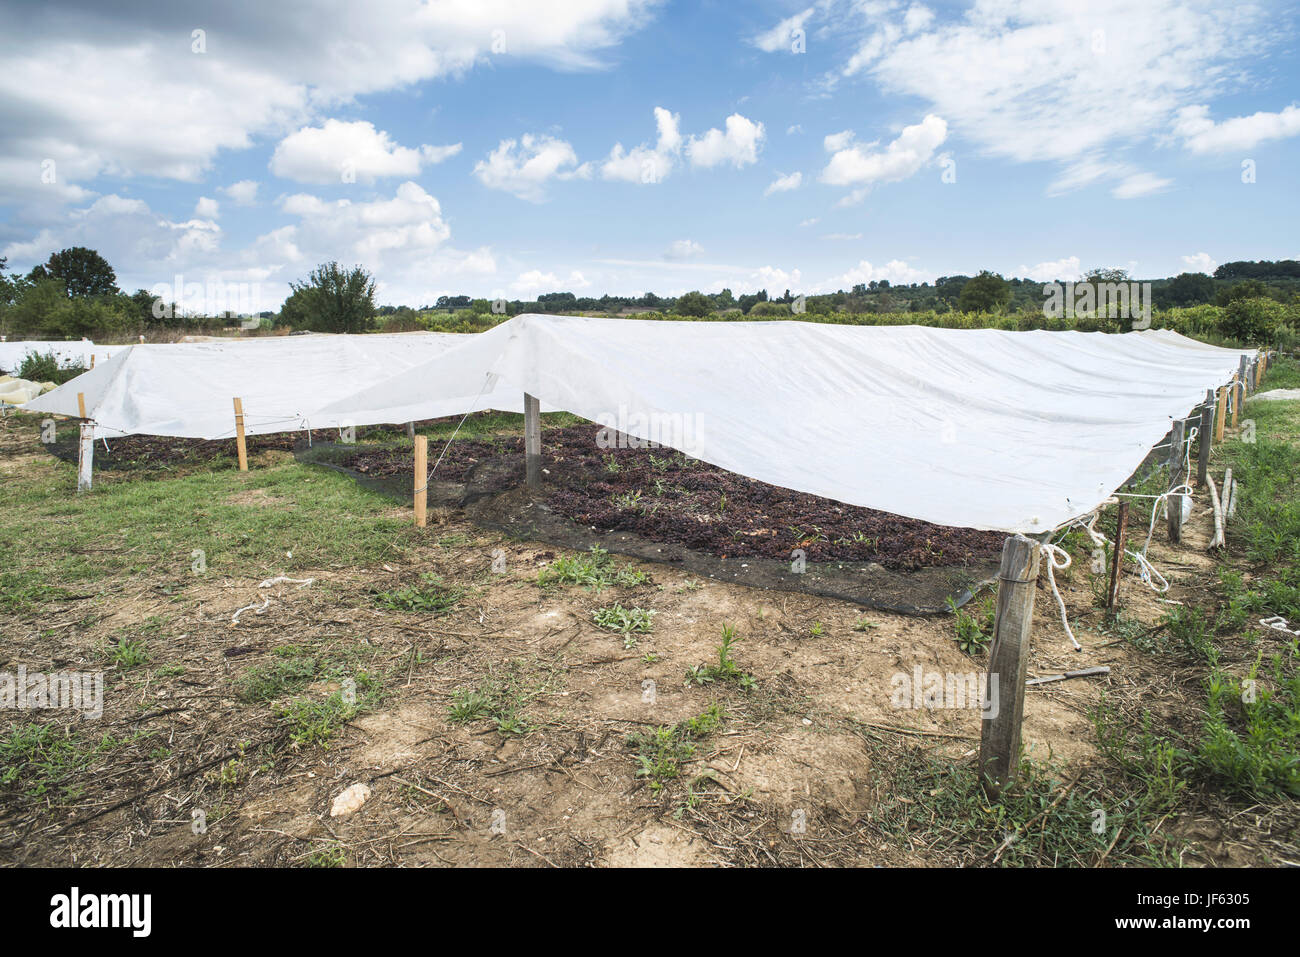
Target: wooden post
{"points": [[240, 444], [421, 482], [1238, 393], [85, 448], [1174, 503], [410, 430], [532, 441], [1117, 558], [1205, 439], [1008, 662], [1220, 413], [1243, 371]]}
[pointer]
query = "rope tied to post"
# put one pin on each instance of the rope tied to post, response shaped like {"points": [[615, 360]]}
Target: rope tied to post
{"points": [[1058, 557]]}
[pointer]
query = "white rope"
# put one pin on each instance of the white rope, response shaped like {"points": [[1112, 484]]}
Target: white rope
{"points": [[1050, 552], [258, 611], [300, 582], [473, 407]]}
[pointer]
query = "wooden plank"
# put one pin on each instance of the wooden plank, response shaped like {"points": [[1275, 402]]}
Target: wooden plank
{"points": [[1205, 439], [240, 445], [1008, 661], [1174, 503], [532, 441], [81, 404], [1218, 540], [1220, 414], [421, 481], [1117, 558]]}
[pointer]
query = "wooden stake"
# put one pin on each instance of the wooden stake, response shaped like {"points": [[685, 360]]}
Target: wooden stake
{"points": [[1117, 558], [410, 430], [532, 441], [1220, 413], [1238, 393], [1174, 503], [81, 404], [1227, 500], [1230, 511], [1008, 661], [421, 482], [1205, 439], [240, 444], [85, 448]]}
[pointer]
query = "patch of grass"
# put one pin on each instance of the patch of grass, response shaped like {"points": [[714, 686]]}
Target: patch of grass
{"points": [[331, 855], [502, 696], [661, 752], [430, 595], [263, 683], [628, 622], [595, 571], [973, 632], [1045, 820], [41, 758], [725, 669], [129, 653]]}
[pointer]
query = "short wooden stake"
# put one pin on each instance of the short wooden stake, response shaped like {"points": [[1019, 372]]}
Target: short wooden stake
{"points": [[410, 430], [1117, 558], [1230, 510], [1237, 394], [1008, 662], [240, 444], [532, 441], [1218, 540], [1243, 371], [1205, 439], [1174, 503], [1220, 413], [421, 482]]}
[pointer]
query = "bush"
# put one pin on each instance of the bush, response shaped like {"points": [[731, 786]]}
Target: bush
{"points": [[761, 309], [1256, 320], [45, 368]]}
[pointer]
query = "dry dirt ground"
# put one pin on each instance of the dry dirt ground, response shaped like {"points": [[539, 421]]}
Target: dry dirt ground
{"points": [[199, 776]]}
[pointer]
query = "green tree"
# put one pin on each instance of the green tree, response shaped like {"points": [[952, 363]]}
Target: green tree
{"points": [[1189, 289], [1255, 320], [83, 271], [331, 299], [694, 304], [987, 292]]}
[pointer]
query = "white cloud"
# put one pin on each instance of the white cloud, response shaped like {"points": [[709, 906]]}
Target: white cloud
{"points": [[810, 222], [1066, 270], [524, 166], [1200, 262], [784, 184], [796, 128], [80, 86], [341, 151], [644, 164], [1140, 184], [684, 249], [207, 208], [842, 236], [834, 142], [781, 36], [739, 145], [243, 193], [860, 167], [1071, 80], [896, 271], [1202, 135], [529, 285]]}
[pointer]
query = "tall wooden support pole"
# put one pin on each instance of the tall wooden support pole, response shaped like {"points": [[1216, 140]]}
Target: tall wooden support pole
{"points": [[1117, 558], [532, 441], [1205, 439], [240, 445], [1174, 503], [1238, 391], [410, 430], [1243, 371], [1008, 662], [421, 483], [1220, 414], [85, 447]]}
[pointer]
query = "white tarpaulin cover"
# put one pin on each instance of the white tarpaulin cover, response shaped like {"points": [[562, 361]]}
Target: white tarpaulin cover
{"points": [[187, 389], [68, 353], [1014, 431]]}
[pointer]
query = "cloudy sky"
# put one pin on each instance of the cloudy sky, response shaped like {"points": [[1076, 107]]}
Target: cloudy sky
{"points": [[506, 149]]}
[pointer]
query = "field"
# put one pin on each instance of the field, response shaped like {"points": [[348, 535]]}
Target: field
{"points": [[512, 702]]}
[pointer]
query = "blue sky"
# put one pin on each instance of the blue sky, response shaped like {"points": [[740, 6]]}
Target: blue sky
{"points": [[495, 148]]}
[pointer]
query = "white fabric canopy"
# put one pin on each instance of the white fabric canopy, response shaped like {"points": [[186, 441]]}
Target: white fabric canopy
{"points": [[75, 352], [1014, 431], [187, 389]]}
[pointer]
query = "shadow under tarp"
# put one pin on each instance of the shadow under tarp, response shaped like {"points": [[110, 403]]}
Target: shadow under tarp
{"points": [[492, 494]]}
